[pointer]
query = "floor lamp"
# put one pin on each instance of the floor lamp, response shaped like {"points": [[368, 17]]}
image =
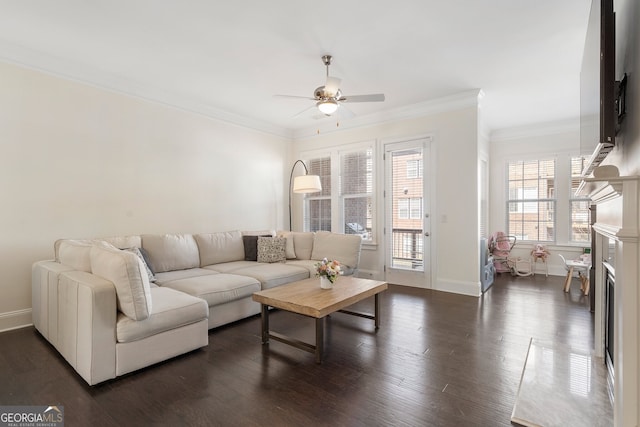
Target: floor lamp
{"points": [[302, 184]]}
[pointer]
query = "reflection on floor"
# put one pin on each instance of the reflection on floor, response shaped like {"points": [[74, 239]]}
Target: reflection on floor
{"points": [[562, 387]]}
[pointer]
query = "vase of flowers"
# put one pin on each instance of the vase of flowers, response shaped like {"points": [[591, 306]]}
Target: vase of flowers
{"points": [[328, 271]]}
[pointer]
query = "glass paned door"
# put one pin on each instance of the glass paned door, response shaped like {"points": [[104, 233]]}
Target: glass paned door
{"points": [[406, 212]]}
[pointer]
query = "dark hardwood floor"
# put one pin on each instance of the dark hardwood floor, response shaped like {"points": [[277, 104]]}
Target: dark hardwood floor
{"points": [[438, 359]]}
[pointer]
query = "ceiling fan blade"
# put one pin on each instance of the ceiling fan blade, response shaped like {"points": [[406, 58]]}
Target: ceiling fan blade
{"points": [[295, 116], [332, 85], [345, 113], [294, 96], [376, 97]]}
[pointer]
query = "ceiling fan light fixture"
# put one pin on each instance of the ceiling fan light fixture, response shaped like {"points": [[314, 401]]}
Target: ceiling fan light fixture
{"points": [[327, 107]]}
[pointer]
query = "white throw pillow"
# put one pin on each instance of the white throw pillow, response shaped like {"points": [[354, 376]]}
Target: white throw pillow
{"points": [[334, 246], [289, 247], [128, 275]]}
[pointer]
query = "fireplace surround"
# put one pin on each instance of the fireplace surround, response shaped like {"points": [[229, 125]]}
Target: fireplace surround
{"points": [[616, 271]]}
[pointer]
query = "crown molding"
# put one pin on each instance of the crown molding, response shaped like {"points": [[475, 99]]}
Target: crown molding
{"points": [[536, 130], [454, 102], [81, 73], [91, 76]]}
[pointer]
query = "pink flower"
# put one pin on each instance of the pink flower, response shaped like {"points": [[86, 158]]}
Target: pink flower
{"points": [[329, 269]]}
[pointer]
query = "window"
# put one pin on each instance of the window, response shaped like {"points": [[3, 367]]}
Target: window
{"points": [[414, 169], [531, 203], [578, 205], [415, 208], [541, 201], [403, 208], [317, 215], [356, 191], [349, 208], [410, 208]]}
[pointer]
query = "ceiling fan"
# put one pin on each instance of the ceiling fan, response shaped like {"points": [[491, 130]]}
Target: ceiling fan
{"points": [[329, 97]]}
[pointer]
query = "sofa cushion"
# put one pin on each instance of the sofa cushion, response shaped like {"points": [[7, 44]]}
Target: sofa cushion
{"points": [[122, 242], [170, 252], [147, 269], [171, 310], [310, 264], [220, 247], [229, 267], [271, 275], [128, 275], [271, 249], [119, 242], [218, 288], [168, 276], [75, 254], [342, 247], [268, 233], [303, 243], [289, 248]]}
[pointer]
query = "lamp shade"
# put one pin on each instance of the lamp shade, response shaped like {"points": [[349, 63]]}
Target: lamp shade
{"points": [[307, 184], [327, 107]]}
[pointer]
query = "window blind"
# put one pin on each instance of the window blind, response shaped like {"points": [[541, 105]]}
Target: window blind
{"points": [[531, 200]]}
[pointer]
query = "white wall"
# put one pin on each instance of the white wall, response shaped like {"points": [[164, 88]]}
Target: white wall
{"points": [[455, 145], [79, 161]]}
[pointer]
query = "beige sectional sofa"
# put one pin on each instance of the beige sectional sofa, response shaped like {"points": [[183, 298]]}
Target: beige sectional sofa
{"points": [[113, 305]]}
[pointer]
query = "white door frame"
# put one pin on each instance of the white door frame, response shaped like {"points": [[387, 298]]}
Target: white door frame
{"points": [[423, 279]]}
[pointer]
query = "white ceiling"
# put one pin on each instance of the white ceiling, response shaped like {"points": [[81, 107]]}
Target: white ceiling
{"points": [[228, 58]]}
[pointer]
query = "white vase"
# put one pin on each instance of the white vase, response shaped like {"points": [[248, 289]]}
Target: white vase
{"points": [[325, 283]]}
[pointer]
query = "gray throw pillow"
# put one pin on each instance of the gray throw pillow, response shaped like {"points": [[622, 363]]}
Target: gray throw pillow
{"points": [[139, 254], [251, 247]]}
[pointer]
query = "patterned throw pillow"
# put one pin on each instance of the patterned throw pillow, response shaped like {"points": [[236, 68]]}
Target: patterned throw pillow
{"points": [[251, 247], [271, 249]]}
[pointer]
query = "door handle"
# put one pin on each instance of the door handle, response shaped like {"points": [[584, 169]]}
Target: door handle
{"points": [[427, 234]]}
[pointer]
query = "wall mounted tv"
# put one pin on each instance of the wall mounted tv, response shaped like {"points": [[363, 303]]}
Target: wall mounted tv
{"points": [[598, 86]]}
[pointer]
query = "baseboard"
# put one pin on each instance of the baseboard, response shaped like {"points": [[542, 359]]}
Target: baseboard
{"points": [[458, 287], [15, 319]]}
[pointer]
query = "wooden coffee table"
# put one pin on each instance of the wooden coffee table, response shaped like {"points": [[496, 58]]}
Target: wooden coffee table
{"points": [[307, 298]]}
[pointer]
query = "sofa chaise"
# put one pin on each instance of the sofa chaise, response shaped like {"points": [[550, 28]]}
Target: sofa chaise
{"points": [[114, 305]]}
